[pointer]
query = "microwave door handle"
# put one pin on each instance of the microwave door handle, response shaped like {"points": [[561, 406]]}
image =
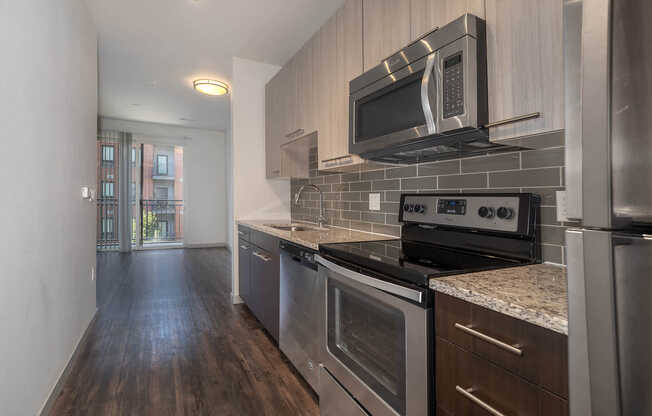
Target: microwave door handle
{"points": [[428, 102]]}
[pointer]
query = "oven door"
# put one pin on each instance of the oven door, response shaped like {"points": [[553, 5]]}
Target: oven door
{"points": [[377, 341]]}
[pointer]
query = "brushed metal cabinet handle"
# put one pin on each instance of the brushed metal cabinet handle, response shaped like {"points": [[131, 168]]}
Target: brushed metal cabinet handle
{"points": [[262, 257], [494, 341], [241, 233], [468, 394], [244, 247], [513, 120], [297, 132]]}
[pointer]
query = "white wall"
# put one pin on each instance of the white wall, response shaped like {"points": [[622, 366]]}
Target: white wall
{"points": [[254, 197], [48, 114], [204, 176]]}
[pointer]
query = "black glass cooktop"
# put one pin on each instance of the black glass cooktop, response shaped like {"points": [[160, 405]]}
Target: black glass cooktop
{"points": [[413, 262]]}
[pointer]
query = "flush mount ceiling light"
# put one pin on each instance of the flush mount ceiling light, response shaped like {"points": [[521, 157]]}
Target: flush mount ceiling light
{"points": [[211, 86]]}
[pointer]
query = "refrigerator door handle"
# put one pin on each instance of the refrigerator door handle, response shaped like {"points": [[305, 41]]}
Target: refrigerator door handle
{"points": [[596, 114], [578, 361], [601, 328]]}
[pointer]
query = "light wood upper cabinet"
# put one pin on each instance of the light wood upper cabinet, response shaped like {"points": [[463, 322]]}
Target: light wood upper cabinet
{"points": [[525, 69], [340, 61], [429, 14], [386, 25], [274, 102], [306, 112], [326, 81]]}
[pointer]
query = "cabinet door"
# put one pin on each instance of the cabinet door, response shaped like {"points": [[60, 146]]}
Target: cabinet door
{"points": [[340, 62], [349, 66], [525, 66], [244, 271], [273, 115], [257, 290], [265, 290], [289, 93], [429, 14], [326, 82], [305, 114], [386, 29]]}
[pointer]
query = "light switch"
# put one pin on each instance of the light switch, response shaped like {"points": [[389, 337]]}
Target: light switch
{"points": [[374, 202]]}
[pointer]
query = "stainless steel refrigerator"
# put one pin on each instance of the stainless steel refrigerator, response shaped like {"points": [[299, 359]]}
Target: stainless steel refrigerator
{"points": [[608, 59]]}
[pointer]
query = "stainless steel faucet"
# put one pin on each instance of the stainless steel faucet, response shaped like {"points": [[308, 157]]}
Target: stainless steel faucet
{"points": [[322, 218]]}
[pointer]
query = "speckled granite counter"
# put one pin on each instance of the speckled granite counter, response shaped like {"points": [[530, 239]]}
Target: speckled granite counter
{"points": [[312, 238], [535, 293]]}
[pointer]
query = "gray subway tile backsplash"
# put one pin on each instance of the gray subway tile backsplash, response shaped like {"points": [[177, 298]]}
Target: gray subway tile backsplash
{"points": [[470, 180], [415, 184], [386, 185], [536, 171], [523, 178], [447, 167], [543, 158], [506, 161]]}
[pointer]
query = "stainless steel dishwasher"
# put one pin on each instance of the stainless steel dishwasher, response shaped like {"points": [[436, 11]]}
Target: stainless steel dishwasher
{"points": [[302, 311]]}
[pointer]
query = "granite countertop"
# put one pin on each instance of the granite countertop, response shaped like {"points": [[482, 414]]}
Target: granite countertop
{"points": [[312, 238], [536, 293]]}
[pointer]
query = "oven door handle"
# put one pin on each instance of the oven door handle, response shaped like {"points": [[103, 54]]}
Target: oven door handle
{"points": [[428, 102], [388, 287]]}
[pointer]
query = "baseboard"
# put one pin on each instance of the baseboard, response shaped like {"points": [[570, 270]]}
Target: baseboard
{"points": [[206, 245], [236, 299], [56, 389]]}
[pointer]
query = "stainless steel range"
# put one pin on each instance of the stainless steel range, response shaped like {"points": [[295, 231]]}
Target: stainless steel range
{"points": [[378, 351]]}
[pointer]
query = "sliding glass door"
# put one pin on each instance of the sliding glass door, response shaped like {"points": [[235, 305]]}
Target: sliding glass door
{"points": [[140, 194]]}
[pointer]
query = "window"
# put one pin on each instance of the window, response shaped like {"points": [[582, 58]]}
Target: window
{"points": [[107, 190], [163, 228], [107, 227], [134, 196], [107, 153], [162, 165], [161, 193]]}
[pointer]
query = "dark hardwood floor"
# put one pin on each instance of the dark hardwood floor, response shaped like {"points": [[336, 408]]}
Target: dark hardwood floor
{"points": [[168, 341]]}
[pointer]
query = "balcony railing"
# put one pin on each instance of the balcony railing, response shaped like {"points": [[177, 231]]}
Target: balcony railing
{"points": [[107, 224], [161, 221]]}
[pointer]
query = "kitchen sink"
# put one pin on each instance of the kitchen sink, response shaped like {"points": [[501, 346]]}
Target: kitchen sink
{"points": [[295, 228]]}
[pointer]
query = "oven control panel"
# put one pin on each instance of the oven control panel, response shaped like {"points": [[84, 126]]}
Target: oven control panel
{"points": [[490, 212]]}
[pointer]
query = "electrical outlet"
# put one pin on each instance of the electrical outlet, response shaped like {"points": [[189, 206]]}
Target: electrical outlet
{"points": [[374, 202], [92, 273], [562, 206]]}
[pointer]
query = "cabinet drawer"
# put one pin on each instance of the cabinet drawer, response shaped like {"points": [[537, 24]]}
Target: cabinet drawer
{"points": [[265, 241], [534, 353], [466, 384], [244, 233]]}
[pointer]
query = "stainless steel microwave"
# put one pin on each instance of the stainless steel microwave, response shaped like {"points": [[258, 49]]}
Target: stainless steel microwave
{"points": [[428, 101]]}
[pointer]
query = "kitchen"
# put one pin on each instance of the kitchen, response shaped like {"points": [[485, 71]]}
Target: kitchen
{"points": [[436, 178], [389, 207]]}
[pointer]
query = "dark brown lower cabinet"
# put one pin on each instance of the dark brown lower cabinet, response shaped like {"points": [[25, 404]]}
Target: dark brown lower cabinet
{"points": [[482, 382], [522, 371]]}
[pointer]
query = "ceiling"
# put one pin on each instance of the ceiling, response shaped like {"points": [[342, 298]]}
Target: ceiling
{"points": [[150, 51]]}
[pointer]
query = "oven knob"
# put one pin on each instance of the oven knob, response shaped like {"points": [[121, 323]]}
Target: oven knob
{"points": [[408, 208], [483, 212], [419, 209], [505, 213]]}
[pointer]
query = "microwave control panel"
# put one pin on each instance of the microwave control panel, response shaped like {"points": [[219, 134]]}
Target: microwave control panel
{"points": [[453, 85], [496, 213]]}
